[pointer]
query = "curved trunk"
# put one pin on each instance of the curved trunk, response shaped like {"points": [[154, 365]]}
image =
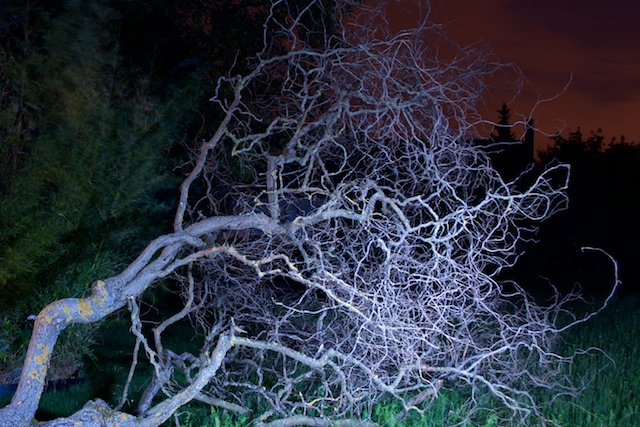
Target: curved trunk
{"points": [[106, 297], [50, 322]]}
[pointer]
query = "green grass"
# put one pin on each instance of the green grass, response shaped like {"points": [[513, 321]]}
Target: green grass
{"points": [[65, 402], [611, 396], [612, 393]]}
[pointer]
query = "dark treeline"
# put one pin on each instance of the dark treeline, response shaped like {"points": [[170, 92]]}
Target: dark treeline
{"points": [[604, 190], [603, 212]]}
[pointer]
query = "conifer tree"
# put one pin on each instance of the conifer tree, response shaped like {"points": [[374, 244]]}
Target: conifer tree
{"points": [[502, 131]]}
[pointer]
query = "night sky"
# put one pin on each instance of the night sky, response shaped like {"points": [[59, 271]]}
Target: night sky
{"points": [[591, 47]]}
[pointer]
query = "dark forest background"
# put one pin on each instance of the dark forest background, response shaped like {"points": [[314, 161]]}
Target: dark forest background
{"points": [[99, 105], [604, 194]]}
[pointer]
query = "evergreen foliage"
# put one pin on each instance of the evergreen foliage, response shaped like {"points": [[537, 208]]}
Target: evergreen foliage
{"points": [[503, 130], [84, 154], [95, 164]]}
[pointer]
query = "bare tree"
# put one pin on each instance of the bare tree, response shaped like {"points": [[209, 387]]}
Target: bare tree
{"points": [[337, 240]]}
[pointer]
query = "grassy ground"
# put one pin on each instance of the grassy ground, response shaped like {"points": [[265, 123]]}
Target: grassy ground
{"points": [[611, 378], [611, 396]]}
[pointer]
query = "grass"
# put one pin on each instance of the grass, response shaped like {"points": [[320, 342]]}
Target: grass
{"points": [[611, 378], [611, 395]]}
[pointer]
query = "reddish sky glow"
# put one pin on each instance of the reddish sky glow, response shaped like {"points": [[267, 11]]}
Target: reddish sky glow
{"points": [[590, 47]]}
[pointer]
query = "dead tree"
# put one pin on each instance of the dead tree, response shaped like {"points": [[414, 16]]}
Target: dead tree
{"points": [[383, 283]]}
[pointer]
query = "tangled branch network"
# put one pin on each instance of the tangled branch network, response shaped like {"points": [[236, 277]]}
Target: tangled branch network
{"points": [[387, 231]]}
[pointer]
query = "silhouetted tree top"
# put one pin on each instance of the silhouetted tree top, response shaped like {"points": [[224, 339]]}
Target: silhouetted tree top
{"points": [[502, 131], [574, 146]]}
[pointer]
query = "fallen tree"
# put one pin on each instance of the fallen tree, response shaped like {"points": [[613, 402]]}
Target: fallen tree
{"points": [[337, 240]]}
